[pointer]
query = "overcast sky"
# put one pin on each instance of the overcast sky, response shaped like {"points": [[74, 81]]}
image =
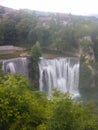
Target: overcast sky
{"points": [[83, 7]]}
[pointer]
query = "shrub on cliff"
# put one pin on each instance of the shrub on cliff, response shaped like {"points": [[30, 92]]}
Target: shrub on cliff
{"points": [[34, 69]]}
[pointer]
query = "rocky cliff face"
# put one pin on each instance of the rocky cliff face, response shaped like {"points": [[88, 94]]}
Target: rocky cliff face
{"points": [[88, 69], [87, 53]]}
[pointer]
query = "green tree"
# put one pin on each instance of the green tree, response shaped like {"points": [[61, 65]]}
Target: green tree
{"points": [[34, 69], [21, 108], [86, 42], [43, 35], [9, 32], [27, 21], [71, 115], [1, 33], [36, 51]]}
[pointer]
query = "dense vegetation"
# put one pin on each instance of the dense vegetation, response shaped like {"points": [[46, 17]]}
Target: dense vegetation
{"points": [[25, 109], [54, 32]]}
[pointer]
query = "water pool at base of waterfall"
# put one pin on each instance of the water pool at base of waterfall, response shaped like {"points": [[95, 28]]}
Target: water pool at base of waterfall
{"points": [[89, 94]]}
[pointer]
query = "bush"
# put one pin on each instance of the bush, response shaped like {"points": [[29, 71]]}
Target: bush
{"points": [[36, 51], [33, 65], [70, 115], [24, 109], [20, 108]]}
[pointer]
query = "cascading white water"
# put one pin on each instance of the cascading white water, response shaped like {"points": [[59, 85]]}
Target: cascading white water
{"points": [[10, 67], [60, 73], [16, 65]]}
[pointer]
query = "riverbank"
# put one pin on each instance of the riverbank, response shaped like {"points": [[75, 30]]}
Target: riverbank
{"points": [[7, 52]]}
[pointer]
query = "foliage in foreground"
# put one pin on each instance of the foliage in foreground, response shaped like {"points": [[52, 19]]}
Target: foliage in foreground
{"points": [[24, 109], [69, 114], [20, 108]]}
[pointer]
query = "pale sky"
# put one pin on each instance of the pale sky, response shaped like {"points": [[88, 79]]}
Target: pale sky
{"points": [[83, 7]]}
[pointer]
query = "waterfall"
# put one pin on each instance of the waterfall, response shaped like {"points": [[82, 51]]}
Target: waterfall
{"points": [[16, 65], [61, 74]]}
